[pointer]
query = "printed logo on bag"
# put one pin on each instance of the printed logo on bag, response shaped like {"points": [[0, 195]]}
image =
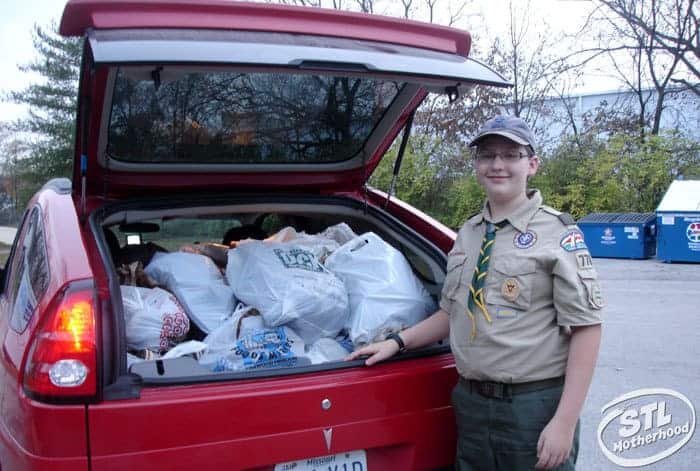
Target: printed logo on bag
{"points": [[645, 426], [525, 240], [573, 241], [299, 258], [266, 348]]}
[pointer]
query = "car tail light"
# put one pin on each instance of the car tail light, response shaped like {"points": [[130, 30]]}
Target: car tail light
{"points": [[62, 360]]}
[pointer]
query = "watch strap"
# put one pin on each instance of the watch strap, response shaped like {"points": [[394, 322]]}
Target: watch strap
{"points": [[397, 338]]}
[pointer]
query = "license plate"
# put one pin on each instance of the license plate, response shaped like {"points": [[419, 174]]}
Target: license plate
{"points": [[348, 461]]}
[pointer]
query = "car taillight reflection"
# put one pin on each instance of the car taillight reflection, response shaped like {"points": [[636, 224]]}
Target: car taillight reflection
{"points": [[62, 360]]}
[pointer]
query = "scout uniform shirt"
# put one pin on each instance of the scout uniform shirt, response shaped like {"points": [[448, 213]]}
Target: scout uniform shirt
{"points": [[540, 282]]}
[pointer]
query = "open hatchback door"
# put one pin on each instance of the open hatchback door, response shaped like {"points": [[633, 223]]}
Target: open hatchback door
{"points": [[191, 95], [203, 120]]}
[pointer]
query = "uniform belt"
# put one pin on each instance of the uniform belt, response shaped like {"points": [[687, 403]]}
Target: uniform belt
{"points": [[508, 390]]}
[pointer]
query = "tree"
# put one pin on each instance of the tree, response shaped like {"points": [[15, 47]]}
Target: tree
{"points": [[670, 26], [49, 130], [653, 47], [619, 172]]}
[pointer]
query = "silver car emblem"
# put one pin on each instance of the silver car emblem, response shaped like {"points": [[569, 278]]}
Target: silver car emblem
{"points": [[328, 435]]}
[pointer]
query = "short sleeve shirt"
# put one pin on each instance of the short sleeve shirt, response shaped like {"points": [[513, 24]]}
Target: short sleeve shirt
{"points": [[540, 283]]}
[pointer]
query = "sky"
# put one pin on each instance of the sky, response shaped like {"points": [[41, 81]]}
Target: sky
{"points": [[17, 18]]}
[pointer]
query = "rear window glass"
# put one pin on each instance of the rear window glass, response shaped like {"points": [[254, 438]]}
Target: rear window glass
{"points": [[184, 116]]}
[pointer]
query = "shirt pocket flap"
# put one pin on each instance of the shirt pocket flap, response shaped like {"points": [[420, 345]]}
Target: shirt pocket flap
{"points": [[455, 261], [515, 267]]}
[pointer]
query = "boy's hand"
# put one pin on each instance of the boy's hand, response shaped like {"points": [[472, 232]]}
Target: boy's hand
{"points": [[377, 352], [554, 445]]}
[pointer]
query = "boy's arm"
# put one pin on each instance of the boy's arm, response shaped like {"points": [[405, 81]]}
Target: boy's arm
{"points": [[434, 328], [556, 439]]}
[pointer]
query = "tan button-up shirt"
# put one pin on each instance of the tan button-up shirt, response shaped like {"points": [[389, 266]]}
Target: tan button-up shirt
{"points": [[540, 282]]}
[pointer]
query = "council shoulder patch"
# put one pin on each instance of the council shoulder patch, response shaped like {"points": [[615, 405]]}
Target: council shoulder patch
{"points": [[525, 240], [572, 241]]}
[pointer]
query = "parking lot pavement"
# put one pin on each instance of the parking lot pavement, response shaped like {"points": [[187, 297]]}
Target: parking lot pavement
{"points": [[7, 234], [650, 340]]}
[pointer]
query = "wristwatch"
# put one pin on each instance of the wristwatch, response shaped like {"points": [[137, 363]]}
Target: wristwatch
{"points": [[397, 338]]}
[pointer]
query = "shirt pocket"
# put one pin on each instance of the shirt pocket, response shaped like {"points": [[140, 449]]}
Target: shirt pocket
{"points": [[510, 283], [453, 278]]}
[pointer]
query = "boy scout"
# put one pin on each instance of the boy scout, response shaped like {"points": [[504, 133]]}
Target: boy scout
{"points": [[521, 305]]}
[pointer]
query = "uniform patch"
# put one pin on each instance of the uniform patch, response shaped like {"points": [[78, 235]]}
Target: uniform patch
{"points": [[584, 261], [510, 289], [506, 313], [525, 240], [596, 297], [573, 241]]}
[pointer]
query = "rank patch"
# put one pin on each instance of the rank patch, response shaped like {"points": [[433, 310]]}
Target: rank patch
{"points": [[596, 297], [573, 241], [510, 289], [525, 240]]}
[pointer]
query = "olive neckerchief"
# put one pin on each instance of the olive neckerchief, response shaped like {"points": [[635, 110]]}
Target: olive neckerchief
{"points": [[476, 290]]}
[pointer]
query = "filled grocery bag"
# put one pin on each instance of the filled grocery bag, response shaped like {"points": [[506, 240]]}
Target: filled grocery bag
{"points": [[154, 319], [198, 284], [385, 296], [289, 286]]}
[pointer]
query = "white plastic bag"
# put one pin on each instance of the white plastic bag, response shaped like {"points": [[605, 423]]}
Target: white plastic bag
{"points": [[260, 348], [385, 295], [318, 244], [341, 233], [324, 350], [288, 285], [243, 322], [198, 285], [154, 319]]}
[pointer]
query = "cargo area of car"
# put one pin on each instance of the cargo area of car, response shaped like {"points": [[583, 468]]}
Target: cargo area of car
{"points": [[259, 286]]}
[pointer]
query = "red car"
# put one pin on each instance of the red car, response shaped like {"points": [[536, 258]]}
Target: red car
{"points": [[196, 118]]}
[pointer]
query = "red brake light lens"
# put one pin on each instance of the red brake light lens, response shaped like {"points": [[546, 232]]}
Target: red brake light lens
{"points": [[62, 361]]}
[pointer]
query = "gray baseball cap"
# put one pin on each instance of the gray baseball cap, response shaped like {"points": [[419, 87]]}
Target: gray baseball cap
{"points": [[510, 127]]}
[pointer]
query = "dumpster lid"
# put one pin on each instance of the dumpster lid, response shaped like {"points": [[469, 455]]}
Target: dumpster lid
{"points": [[598, 217], [634, 218], [682, 195]]}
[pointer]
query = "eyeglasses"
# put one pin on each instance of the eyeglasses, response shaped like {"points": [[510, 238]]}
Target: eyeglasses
{"points": [[508, 157]]}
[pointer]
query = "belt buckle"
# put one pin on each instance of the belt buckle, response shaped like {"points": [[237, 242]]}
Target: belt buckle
{"points": [[490, 389]]}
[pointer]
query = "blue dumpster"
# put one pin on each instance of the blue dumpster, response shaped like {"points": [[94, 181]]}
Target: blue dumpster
{"points": [[678, 222], [620, 235]]}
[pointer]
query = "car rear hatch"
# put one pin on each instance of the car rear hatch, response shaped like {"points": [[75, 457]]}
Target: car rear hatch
{"points": [[306, 99], [196, 98]]}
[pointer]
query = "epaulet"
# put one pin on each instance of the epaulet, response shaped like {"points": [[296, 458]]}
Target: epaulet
{"points": [[565, 218]]}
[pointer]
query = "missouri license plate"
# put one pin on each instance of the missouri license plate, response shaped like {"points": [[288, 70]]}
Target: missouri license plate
{"points": [[347, 461]]}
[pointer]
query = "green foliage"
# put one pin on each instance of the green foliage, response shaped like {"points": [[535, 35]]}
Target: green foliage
{"points": [[50, 126], [623, 173], [586, 173], [423, 183]]}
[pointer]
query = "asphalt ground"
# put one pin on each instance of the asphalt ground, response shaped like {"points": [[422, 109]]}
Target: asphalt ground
{"points": [[650, 340]]}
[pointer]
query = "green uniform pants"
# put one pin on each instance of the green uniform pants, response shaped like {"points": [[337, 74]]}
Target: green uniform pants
{"points": [[502, 434]]}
